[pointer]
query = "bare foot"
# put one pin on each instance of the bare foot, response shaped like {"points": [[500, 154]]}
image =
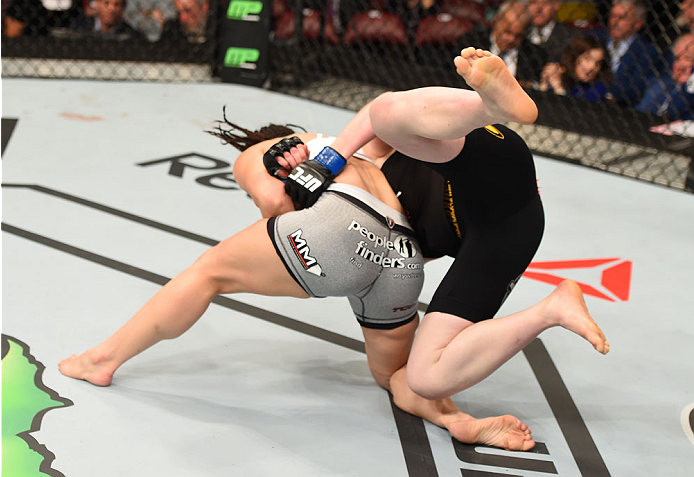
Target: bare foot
{"points": [[567, 308], [501, 94], [507, 432], [87, 367]]}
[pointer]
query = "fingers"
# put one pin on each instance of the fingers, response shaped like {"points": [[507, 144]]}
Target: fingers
{"points": [[292, 158]]}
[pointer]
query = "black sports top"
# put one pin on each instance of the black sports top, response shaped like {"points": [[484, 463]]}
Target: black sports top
{"points": [[420, 190], [492, 178]]}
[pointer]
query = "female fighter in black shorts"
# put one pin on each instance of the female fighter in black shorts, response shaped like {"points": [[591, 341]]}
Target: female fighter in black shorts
{"points": [[470, 193]]}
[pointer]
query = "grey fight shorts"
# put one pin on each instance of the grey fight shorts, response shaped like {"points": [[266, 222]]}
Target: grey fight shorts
{"points": [[351, 244]]}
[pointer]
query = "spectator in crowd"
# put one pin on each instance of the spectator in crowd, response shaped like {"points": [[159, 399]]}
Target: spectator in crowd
{"points": [[32, 17], [507, 39], [545, 30], [190, 24], [108, 21], [635, 62], [148, 16], [582, 73], [685, 19], [672, 95]]}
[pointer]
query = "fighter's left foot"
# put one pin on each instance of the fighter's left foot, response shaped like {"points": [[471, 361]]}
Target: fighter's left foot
{"points": [[501, 93], [567, 308], [88, 367]]}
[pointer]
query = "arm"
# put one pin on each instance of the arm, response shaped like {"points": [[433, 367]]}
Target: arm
{"points": [[356, 134], [266, 191]]}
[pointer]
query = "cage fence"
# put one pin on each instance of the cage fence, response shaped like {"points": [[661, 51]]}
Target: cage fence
{"points": [[621, 105]]}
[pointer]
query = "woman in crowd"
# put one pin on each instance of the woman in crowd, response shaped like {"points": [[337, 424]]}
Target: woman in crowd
{"points": [[582, 73]]}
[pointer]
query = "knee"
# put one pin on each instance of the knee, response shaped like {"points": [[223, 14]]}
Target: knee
{"points": [[423, 384], [382, 379], [209, 271], [380, 108]]}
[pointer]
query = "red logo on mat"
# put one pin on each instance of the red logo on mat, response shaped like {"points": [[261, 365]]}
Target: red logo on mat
{"points": [[614, 275]]}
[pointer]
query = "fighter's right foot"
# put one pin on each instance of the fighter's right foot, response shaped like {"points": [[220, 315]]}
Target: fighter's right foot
{"points": [[501, 93], [88, 367], [568, 309], [507, 432]]}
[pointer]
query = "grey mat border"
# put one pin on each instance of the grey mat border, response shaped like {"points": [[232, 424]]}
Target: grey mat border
{"points": [[579, 440]]}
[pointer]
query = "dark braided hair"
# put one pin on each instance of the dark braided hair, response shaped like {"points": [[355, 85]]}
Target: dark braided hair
{"points": [[228, 133]]}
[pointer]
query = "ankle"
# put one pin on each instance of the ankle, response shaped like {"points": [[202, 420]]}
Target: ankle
{"points": [[101, 358]]}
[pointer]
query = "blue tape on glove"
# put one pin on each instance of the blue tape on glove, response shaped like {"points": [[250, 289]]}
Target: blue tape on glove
{"points": [[331, 159]]}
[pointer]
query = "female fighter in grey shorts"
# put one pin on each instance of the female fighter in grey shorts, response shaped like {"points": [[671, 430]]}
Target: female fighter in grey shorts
{"points": [[355, 242], [351, 244]]}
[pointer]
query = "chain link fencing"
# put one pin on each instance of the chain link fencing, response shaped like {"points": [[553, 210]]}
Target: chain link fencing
{"points": [[635, 120]]}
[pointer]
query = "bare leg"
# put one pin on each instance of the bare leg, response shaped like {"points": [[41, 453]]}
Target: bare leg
{"points": [[387, 352], [451, 354], [431, 123], [245, 262]]}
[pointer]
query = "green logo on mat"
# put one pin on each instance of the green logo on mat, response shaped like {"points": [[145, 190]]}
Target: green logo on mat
{"points": [[241, 58], [244, 10], [25, 399]]}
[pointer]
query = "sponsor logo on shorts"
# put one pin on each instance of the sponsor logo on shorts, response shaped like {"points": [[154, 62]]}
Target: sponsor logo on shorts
{"points": [[405, 247], [303, 253], [381, 259], [407, 276], [402, 244], [355, 262], [403, 308], [509, 288], [494, 132]]}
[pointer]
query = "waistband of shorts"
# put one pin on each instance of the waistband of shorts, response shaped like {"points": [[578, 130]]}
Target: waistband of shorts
{"points": [[385, 211]]}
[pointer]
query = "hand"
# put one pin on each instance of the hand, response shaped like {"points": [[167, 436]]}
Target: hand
{"points": [[552, 76], [307, 181], [284, 156]]}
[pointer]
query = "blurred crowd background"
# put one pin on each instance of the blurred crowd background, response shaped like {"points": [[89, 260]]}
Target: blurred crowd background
{"points": [[613, 79]]}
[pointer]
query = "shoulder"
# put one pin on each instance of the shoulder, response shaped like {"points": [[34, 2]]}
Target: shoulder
{"points": [[562, 30], [129, 30], [601, 34], [642, 44], [536, 54]]}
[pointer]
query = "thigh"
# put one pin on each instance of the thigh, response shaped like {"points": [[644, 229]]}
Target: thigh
{"points": [[248, 263], [435, 333], [490, 261], [421, 123]]}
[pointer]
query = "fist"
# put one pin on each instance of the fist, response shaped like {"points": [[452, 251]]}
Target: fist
{"points": [[283, 156]]}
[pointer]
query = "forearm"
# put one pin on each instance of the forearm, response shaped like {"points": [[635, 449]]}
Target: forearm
{"points": [[356, 134]]}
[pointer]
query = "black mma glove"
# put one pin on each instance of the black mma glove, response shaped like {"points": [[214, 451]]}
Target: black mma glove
{"points": [[308, 180], [270, 157]]}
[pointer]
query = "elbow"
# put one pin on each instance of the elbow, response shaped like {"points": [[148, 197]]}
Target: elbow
{"points": [[272, 205]]}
